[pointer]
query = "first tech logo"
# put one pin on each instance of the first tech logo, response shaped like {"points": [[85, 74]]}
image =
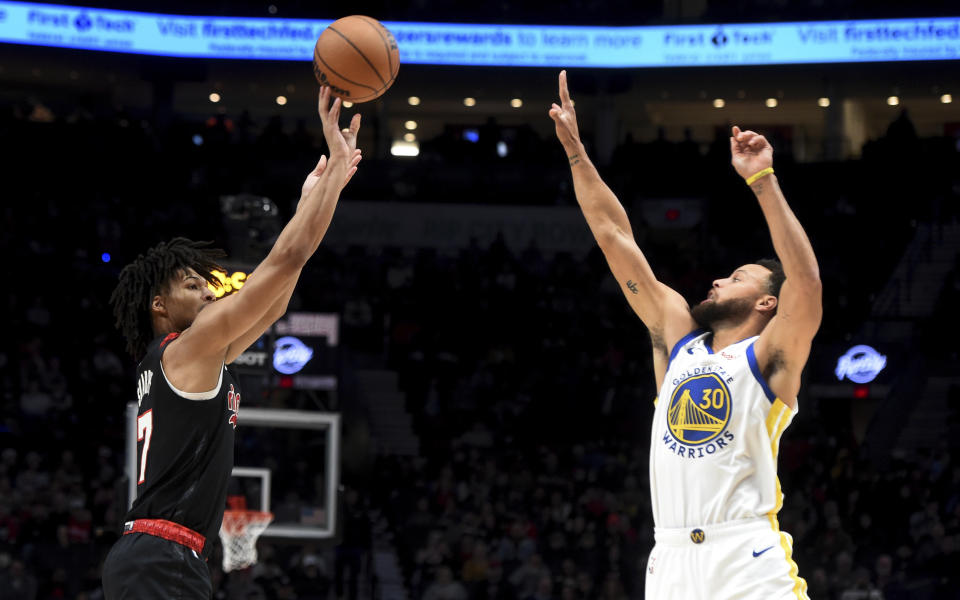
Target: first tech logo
{"points": [[720, 39], [83, 22]]}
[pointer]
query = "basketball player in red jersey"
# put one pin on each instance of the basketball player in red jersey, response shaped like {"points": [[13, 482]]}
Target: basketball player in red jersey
{"points": [[728, 373], [188, 399]]}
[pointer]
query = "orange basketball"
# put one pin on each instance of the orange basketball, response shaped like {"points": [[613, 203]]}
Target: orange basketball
{"points": [[357, 57]]}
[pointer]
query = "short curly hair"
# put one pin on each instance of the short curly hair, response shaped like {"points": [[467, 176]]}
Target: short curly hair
{"points": [[777, 276]]}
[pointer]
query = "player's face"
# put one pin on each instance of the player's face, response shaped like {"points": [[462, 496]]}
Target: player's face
{"points": [[732, 299], [187, 297], [748, 281]]}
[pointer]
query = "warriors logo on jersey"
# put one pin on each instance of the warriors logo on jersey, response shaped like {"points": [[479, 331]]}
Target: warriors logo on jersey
{"points": [[699, 409]]}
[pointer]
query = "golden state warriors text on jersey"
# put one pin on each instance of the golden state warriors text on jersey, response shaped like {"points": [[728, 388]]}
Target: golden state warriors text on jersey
{"points": [[698, 413], [715, 436]]}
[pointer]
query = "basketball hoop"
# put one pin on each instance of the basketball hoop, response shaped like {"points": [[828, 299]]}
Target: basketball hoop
{"points": [[239, 533]]}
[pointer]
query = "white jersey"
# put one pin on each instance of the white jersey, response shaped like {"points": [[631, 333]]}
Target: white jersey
{"points": [[715, 437]]}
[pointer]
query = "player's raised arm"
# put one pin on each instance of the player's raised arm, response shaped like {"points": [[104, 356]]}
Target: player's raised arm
{"points": [[279, 308], [664, 312], [265, 293], [784, 345]]}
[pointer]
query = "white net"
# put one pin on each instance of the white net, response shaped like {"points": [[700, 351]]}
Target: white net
{"points": [[239, 533]]}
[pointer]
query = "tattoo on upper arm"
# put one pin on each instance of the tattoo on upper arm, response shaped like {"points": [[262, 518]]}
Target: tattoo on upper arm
{"points": [[574, 159], [632, 286]]}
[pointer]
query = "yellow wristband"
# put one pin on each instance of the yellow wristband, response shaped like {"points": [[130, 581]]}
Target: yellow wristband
{"points": [[759, 174]]}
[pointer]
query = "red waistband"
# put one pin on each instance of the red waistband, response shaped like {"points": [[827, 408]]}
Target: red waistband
{"points": [[167, 530]]}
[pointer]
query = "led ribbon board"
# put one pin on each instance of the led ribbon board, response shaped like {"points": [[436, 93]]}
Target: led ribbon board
{"points": [[489, 45]]}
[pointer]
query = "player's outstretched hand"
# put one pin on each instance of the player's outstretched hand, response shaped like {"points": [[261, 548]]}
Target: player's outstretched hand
{"points": [[750, 152], [342, 142], [565, 117], [313, 178]]}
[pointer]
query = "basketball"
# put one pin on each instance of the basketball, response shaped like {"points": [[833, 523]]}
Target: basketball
{"points": [[357, 57]]}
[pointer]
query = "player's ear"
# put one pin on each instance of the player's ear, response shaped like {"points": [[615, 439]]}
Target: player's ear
{"points": [[158, 306], [767, 303]]}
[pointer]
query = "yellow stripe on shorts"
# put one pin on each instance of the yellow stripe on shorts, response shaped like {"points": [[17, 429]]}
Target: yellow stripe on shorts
{"points": [[776, 424]]}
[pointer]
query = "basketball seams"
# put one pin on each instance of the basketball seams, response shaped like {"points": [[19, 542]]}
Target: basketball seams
{"points": [[360, 52], [320, 58], [377, 26]]}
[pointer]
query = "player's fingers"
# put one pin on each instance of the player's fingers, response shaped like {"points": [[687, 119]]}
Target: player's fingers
{"points": [[758, 142], [321, 164], [323, 101], [350, 174], [355, 124], [734, 147], [564, 92], [736, 131], [334, 114]]}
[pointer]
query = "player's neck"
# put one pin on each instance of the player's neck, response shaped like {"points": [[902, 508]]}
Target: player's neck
{"points": [[725, 334], [164, 326]]}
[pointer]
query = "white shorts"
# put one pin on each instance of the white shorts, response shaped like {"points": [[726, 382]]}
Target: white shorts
{"points": [[731, 561]]}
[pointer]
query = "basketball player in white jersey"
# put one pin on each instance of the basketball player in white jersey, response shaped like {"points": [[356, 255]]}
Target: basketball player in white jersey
{"points": [[728, 371]]}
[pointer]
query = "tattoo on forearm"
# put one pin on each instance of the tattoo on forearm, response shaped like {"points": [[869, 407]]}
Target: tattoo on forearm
{"points": [[574, 159], [757, 188], [632, 286]]}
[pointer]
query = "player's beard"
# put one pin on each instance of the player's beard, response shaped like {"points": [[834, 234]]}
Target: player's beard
{"points": [[732, 311]]}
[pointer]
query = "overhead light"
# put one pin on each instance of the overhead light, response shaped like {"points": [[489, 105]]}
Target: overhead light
{"points": [[400, 148], [893, 100], [719, 103], [214, 97], [347, 104], [823, 102], [411, 125], [516, 102], [502, 149], [946, 98], [771, 102], [281, 100], [413, 101], [409, 137], [469, 101]]}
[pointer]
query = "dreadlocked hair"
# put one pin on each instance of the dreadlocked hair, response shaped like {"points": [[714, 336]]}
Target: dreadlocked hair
{"points": [[149, 275]]}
